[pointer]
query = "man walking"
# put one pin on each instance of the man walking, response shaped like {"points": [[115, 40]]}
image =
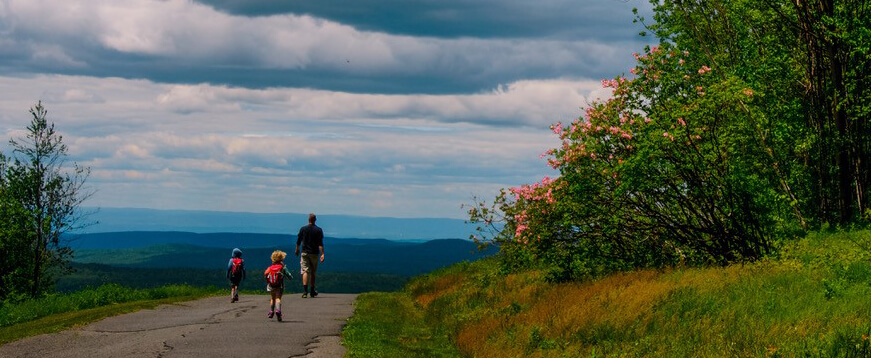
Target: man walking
{"points": [[311, 240]]}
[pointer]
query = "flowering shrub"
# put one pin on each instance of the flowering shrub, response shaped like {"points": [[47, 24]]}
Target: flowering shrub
{"points": [[665, 172]]}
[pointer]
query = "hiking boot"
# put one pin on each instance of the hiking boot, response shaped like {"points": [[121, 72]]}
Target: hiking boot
{"points": [[271, 313], [278, 315], [314, 294], [305, 295]]}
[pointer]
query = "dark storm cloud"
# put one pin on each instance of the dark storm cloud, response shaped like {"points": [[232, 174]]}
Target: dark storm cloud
{"points": [[181, 42], [606, 20]]}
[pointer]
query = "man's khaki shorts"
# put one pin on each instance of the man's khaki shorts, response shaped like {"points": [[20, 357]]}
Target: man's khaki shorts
{"points": [[308, 263]]}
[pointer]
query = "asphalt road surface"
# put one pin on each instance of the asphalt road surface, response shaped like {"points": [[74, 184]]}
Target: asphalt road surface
{"points": [[210, 327]]}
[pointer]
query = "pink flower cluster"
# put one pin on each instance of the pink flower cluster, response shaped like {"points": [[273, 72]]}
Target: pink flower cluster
{"points": [[536, 192], [518, 232], [614, 83], [704, 69]]}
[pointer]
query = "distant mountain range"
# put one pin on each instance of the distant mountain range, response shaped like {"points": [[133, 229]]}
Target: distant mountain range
{"points": [[132, 219], [147, 248], [212, 251]]}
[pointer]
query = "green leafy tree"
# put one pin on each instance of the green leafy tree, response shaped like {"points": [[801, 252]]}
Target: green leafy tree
{"points": [[748, 123], [14, 243], [812, 60], [43, 194], [664, 172]]}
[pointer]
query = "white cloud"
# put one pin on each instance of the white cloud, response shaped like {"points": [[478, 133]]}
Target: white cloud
{"points": [[394, 155]]}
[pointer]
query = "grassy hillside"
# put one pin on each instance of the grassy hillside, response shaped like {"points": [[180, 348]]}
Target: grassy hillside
{"points": [[60, 311], [814, 300]]}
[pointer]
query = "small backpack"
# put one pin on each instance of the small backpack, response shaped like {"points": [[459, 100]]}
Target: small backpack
{"points": [[273, 275], [236, 269]]}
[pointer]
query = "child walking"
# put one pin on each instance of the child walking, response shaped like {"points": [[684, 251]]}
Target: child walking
{"points": [[275, 276], [235, 273]]}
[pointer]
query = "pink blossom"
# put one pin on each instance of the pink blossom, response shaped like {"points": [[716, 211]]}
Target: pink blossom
{"points": [[681, 121], [520, 229], [681, 61], [704, 69]]}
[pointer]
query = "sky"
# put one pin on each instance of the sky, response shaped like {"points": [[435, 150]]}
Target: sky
{"points": [[394, 108]]}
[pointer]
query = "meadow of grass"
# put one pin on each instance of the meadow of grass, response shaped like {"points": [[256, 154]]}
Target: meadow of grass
{"points": [[389, 325], [59, 311], [812, 300]]}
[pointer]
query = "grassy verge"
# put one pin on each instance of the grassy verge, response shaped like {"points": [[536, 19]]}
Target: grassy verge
{"points": [[814, 300], [60, 311], [389, 325]]}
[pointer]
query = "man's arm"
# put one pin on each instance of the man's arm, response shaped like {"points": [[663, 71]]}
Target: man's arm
{"points": [[298, 240], [320, 234]]}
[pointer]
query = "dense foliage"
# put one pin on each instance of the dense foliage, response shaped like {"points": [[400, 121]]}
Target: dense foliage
{"points": [[40, 197], [745, 124]]}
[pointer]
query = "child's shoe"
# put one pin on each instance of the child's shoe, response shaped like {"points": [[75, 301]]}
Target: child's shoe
{"points": [[236, 297], [271, 313], [278, 315], [314, 294], [304, 294]]}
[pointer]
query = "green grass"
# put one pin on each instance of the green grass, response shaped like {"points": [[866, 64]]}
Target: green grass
{"points": [[812, 300], [389, 325], [57, 312]]}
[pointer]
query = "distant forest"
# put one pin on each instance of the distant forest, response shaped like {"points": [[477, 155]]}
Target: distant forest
{"points": [[94, 275], [152, 259]]}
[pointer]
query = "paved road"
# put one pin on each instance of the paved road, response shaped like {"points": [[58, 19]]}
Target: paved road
{"points": [[210, 327]]}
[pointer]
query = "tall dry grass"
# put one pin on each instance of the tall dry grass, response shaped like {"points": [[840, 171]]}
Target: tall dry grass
{"points": [[812, 301]]}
